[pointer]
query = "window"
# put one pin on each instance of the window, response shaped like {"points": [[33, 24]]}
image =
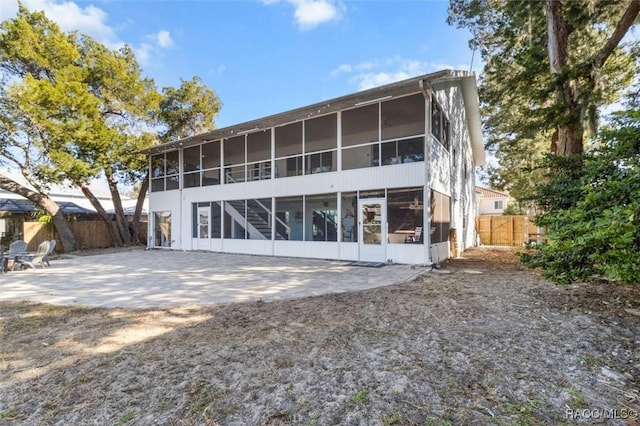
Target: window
{"points": [[405, 215], [211, 163], [235, 218], [157, 173], [320, 162], [403, 117], [403, 151], [216, 219], [498, 205], [439, 124], [162, 229], [360, 125], [349, 206], [359, 130], [440, 217], [321, 217], [259, 155], [321, 139], [290, 218], [191, 166], [165, 172], [321, 134], [259, 219], [361, 156], [234, 159], [288, 141]]}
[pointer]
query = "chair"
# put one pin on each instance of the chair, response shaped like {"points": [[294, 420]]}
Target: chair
{"points": [[52, 247], [16, 249], [416, 237], [36, 258]]}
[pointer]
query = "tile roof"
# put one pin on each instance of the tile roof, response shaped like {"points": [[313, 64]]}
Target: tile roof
{"points": [[491, 193]]}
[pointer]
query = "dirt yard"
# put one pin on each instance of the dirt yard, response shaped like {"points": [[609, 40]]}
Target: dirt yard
{"points": [[482, 341]]}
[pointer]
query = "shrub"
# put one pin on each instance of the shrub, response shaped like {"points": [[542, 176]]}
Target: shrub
{"points": [[591, 209]]}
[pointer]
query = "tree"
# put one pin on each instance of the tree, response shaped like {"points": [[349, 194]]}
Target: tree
{"points": [[23, 52], [591, 209], [577, 84], [85, 111], [548, 68]]}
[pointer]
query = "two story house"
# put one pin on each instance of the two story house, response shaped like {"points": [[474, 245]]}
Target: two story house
{"points": [[382, 175]]}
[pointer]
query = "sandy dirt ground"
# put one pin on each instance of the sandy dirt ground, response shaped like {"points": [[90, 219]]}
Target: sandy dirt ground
{"points": [[481, 341]]}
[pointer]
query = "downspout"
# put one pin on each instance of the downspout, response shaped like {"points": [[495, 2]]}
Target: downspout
{"points": [[425, 86]]}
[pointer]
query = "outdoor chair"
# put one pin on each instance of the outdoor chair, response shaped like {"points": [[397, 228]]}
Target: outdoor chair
{"points": [[416, 237], [16, 249], [52, 247], [36, 258]]}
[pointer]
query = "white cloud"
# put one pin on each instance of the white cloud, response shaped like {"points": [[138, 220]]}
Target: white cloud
{"points": [[71, 17], [92, 21], [164, 39], [143, 53], [375, 72], [342, 69], [309, 14], [149, 50]]}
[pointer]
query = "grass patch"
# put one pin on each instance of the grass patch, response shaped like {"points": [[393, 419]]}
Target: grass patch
{"points": [[126, 418], [361, 397]]}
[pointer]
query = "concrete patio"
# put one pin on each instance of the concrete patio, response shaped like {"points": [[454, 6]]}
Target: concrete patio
{"points": [[156, 278]]}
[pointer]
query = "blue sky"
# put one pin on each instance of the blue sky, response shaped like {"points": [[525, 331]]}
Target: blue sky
{"points": [[263, 57]]}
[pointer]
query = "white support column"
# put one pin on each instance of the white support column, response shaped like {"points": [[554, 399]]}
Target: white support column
{"points": [[426, 215], [339, 141]]}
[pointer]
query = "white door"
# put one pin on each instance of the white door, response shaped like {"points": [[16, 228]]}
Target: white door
{"points": [[372, 229], [204, 228]]}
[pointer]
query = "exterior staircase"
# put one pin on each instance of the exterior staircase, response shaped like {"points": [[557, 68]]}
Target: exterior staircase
{"points": [[258, 225]]}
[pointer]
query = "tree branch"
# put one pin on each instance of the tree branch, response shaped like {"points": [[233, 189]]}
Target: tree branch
{"points": [[627, 20]]}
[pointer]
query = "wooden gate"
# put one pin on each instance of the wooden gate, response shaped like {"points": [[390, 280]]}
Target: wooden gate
{"points": [[503, 230]]}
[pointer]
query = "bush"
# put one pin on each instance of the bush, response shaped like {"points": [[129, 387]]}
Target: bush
{"points": [[591, 206]]}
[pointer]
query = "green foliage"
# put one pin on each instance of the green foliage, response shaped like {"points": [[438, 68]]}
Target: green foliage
{"points": [[513, 209], [187, 110], [591, 208], [519, 102]]}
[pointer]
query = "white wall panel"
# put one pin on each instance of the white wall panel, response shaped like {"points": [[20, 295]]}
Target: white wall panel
{"points": [[440, 169], [349, 251], [439, 252], [310, 249], [248, 247], [412, 254]]}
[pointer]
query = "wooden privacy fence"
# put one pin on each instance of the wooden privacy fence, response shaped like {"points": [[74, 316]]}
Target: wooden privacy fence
{"points": [[88, 233], [504, 230]]}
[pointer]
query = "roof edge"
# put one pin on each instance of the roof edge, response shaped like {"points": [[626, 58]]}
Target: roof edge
{"points": [[309, 111], [474, 125]]}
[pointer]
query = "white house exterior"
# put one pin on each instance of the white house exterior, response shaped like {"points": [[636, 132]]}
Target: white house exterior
{"points": [[355, 178], [491, 202]]}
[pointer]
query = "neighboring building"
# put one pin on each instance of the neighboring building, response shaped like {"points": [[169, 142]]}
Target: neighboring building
{"points": [[15, 209], [355, 178], [491, 202]]}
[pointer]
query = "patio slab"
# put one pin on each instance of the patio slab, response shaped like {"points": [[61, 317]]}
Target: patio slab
{"points": [[157, 278]]}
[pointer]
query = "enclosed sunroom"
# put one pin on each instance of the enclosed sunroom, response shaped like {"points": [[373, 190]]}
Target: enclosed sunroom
{"points": [[383, 175]]}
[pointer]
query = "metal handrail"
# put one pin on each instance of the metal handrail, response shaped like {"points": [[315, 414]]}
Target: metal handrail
{"points": [[286, 227]]}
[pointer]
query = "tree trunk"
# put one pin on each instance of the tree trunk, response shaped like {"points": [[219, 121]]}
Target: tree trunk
{"points": [[569, 134], [67, 239], [121, 221], [135, 223], [113, 230]]}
